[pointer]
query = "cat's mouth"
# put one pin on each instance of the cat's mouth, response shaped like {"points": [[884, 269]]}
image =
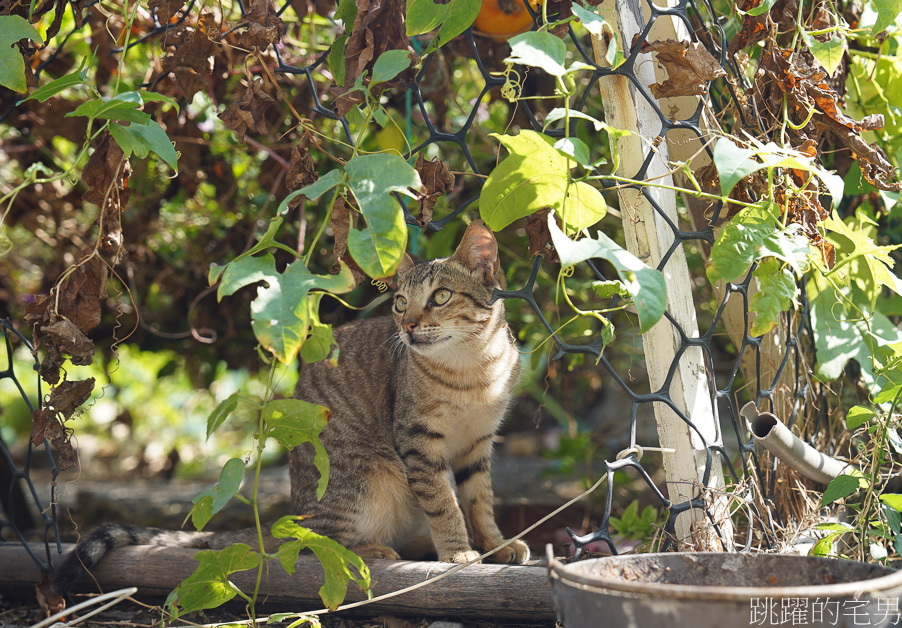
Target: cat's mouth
{"points": [[415, 341]]}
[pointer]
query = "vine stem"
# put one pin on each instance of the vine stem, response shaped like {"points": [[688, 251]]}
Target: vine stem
{"points": [[258, 465]]}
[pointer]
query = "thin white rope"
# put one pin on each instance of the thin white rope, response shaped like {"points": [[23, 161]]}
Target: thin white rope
{"points": [[119, 595]]}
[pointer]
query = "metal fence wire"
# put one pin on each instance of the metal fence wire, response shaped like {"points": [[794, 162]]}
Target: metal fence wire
{"points": [[18, 494], [752, 479]]}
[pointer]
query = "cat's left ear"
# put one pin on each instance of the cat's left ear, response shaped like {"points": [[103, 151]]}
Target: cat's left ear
{"points": [[478, 250]]}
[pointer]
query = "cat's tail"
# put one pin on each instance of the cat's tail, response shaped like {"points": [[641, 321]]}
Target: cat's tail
{"points": [[92, 548]]}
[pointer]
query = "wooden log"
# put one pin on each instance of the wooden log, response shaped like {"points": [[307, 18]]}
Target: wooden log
{"points": [[486, 591]]}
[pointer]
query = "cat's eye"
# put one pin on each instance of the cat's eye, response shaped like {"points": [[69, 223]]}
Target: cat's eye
{"points": [[400, 304], [441, 296]]}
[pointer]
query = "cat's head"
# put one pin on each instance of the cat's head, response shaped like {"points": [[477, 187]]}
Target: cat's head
{"points": [[443, 303]]}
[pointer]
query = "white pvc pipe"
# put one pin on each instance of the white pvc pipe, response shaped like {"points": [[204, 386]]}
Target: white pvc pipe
{"points": [[789, 448]]}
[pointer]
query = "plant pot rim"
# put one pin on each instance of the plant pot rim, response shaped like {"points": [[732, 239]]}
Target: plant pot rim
{"points": [[887, 585]]}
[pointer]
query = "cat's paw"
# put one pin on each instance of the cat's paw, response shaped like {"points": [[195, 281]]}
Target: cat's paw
{"points": [[516, 553], [460, 557], [374, 550]]}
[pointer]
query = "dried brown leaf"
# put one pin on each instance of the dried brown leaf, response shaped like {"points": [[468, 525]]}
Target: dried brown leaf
{"points": [[105, 173], [65, 398], [301, 173], [165, 9], [192, 60], [46, 426], [49, 602], [437, 180], [82, 295], [249, 114], [342, 220], [264, 27], [539, 235], [690, 67]]}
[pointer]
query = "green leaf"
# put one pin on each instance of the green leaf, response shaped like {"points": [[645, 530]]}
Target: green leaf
{"points": [[347, 13], [122, 107], [597, 25], [336, 60], [532, 177], [764, 7], [293, 422], [321, 343], [14, 28], [158, 97], [893, 516], [609, 289], [454, 16], [559, 113], [893, 500], [539, 49], [840, 487], [221, 413], [321, 185], [777, 291], [888, 393], [828, 53], [887, 12], [210, 501], [337, 561], [857, 416], [733, 164], [824, 547], [575, 148], [379, 246], [79, 77], [838, 526], [279, 313], [389, 65], [646, 285], [142, 139], [209, 586], [737, 244], [874, 262]]}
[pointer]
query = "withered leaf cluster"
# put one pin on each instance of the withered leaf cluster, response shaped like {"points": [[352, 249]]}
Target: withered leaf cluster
{"points": [[376, 30], [437, 180], [783, 74], [690, 67], [191, 61], [60, 322]]}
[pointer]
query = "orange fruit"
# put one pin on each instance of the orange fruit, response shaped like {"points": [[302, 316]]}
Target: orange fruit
{"points": [[502, 19]]}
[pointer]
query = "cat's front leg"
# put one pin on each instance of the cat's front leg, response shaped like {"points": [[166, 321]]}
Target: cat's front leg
{"points": [[474, 487], [428, 478]]}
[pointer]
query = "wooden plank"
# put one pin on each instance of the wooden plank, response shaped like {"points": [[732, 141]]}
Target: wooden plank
{"points": [[480, 591], [649, 237]]}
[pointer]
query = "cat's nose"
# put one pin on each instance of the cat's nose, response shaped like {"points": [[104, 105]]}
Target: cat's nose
{"points": [[408, 326]]}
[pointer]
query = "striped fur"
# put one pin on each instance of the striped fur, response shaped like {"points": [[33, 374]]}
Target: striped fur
{"points": [[415, 400]]}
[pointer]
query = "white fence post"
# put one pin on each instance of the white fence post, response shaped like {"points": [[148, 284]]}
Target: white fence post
{"points": [[649, 237]]}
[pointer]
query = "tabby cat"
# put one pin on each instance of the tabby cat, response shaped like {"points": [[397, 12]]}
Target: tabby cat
{"points": [[415, 401]]}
